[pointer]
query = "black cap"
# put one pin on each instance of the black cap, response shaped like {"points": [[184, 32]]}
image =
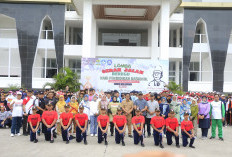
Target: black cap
{"points": [[41, 92]]}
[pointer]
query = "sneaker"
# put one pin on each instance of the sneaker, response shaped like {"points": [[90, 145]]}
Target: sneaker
{"points": [[35, 141], [191, 146], [177, 146], [212, 137], [18, 134], [52, 141], [12, 135], [130, 136], [142, 144], [106, 143], [161, 146], [67, 142], [95, 135], [123, 143], [221, 139], [91, 135], [85, 142]]}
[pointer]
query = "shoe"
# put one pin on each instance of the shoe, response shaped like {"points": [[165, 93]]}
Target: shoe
{"points": [[130, 136], [212, 137], [221, 139], [149, 136], [112, 134], [95, 135], [35, 141], [71, 137], [178, 146], [161, 146], [52, 141], [142, 145], [123, 143], [85, 142], [67, 142], [191, 146], [18, 134], [55, 135], [106, 143], [12, 135], [91, 135]]}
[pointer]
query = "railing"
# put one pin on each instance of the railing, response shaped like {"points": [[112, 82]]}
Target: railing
{"points": [[46, 34], [200, 38]]}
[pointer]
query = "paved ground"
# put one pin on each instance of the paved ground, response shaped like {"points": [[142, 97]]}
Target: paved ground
{"points": [[20, 146]]}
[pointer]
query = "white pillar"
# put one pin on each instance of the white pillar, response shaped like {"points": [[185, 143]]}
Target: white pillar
{"points": [[164, 30], [178, 37], [67, 35], [154, 38], [89, 31], [177, 72], [71, 42]]}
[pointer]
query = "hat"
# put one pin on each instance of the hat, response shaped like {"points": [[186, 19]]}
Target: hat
{"points": [[157, 110], [119, 109], [40, 92], [18, 93], [81, 107], [186, 113], [34, 108], [223, 95], [172, 111], [66, 106]]}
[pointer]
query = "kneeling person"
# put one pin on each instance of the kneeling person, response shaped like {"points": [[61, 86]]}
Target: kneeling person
{"points": [[103, 124], [49, 119], [172, 126], [120, 123], [65, 122], [138, 123], [158, 124], [34, 121], [187, 131], [81, 123]]}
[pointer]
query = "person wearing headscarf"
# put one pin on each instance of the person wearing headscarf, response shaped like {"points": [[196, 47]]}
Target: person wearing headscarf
{"points": [[93, 116], [194, 113], [112, 110], [164, 108], [74, 110], [175, 106], [184, 107], [60, 109], [103, 103], [204, 117]]}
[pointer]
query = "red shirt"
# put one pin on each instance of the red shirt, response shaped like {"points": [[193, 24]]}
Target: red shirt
{"points": [[120, 120], [157, 121], [34, 119], [103, 119], [66, 117], [137, 120], [81, 118], [187, 125], [172, 123], [49, 116]]}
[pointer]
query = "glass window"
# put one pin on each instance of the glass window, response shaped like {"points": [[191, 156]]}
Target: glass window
{"points": [[75, 66], [51, 69]]}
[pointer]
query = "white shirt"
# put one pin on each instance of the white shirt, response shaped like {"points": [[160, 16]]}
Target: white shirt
{"points": [[93, 107], [151, 106], [216, 110], [29, 105], [17, 108]]}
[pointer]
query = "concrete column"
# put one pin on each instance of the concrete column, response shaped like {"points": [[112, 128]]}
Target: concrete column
{"points": [[177, 72], [89, 31], [164, 30], [172, 37], [154, 38], [178, 37], [67, 35], [71, 42]]}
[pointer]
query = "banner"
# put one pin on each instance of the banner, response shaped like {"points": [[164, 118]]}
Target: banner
{"points": [[124, 75]]}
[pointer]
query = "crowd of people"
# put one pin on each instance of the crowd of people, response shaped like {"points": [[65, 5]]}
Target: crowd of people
{"points": [[70, 114]]}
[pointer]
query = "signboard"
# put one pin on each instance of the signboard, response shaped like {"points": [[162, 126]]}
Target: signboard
{"points": [[124, 75]]}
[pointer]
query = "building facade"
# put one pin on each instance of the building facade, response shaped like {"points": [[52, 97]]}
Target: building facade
{"points": [[149, 29]]}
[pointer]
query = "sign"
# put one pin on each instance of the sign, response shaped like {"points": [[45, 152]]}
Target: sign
{"points": [[124, 75]]}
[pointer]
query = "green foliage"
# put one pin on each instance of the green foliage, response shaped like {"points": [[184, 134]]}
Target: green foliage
{"points": [[65, 77], [13, 87], [175, 88]]}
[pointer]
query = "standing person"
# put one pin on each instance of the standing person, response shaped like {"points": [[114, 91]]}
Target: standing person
{"points": [[65, 122], [175, 105], [60, 109], [49, 118], [217, 113], [138, 123], [127, 107], [183, 108], [50, 99], [91, 94], [103, 103], [119, 121], [10, 98], [93, 116], [112, 110], [103, 124], [81, 119], [34, 121], [229, 111], [40, 103], [223, 100], [74, 110], [152, 105], [187, 130], [172, 125], [194, 113], [17, 113], [158, 124], [142, 105], [204, 118]]}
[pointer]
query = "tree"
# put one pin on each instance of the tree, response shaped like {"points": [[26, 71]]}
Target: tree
{"points": [[65, 77], [175, 88]]}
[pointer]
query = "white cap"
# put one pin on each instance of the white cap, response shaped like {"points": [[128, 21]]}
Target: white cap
{"points": [[18, 93], [223, 95]]}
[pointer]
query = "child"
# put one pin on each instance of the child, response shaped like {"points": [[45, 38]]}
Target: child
{"points": [[81, 121], [172, 128], [158, 124], [187, 130], [65, 122], [49, 119], [138, 123], [120, 123], [34, 121], [103, 123]]}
